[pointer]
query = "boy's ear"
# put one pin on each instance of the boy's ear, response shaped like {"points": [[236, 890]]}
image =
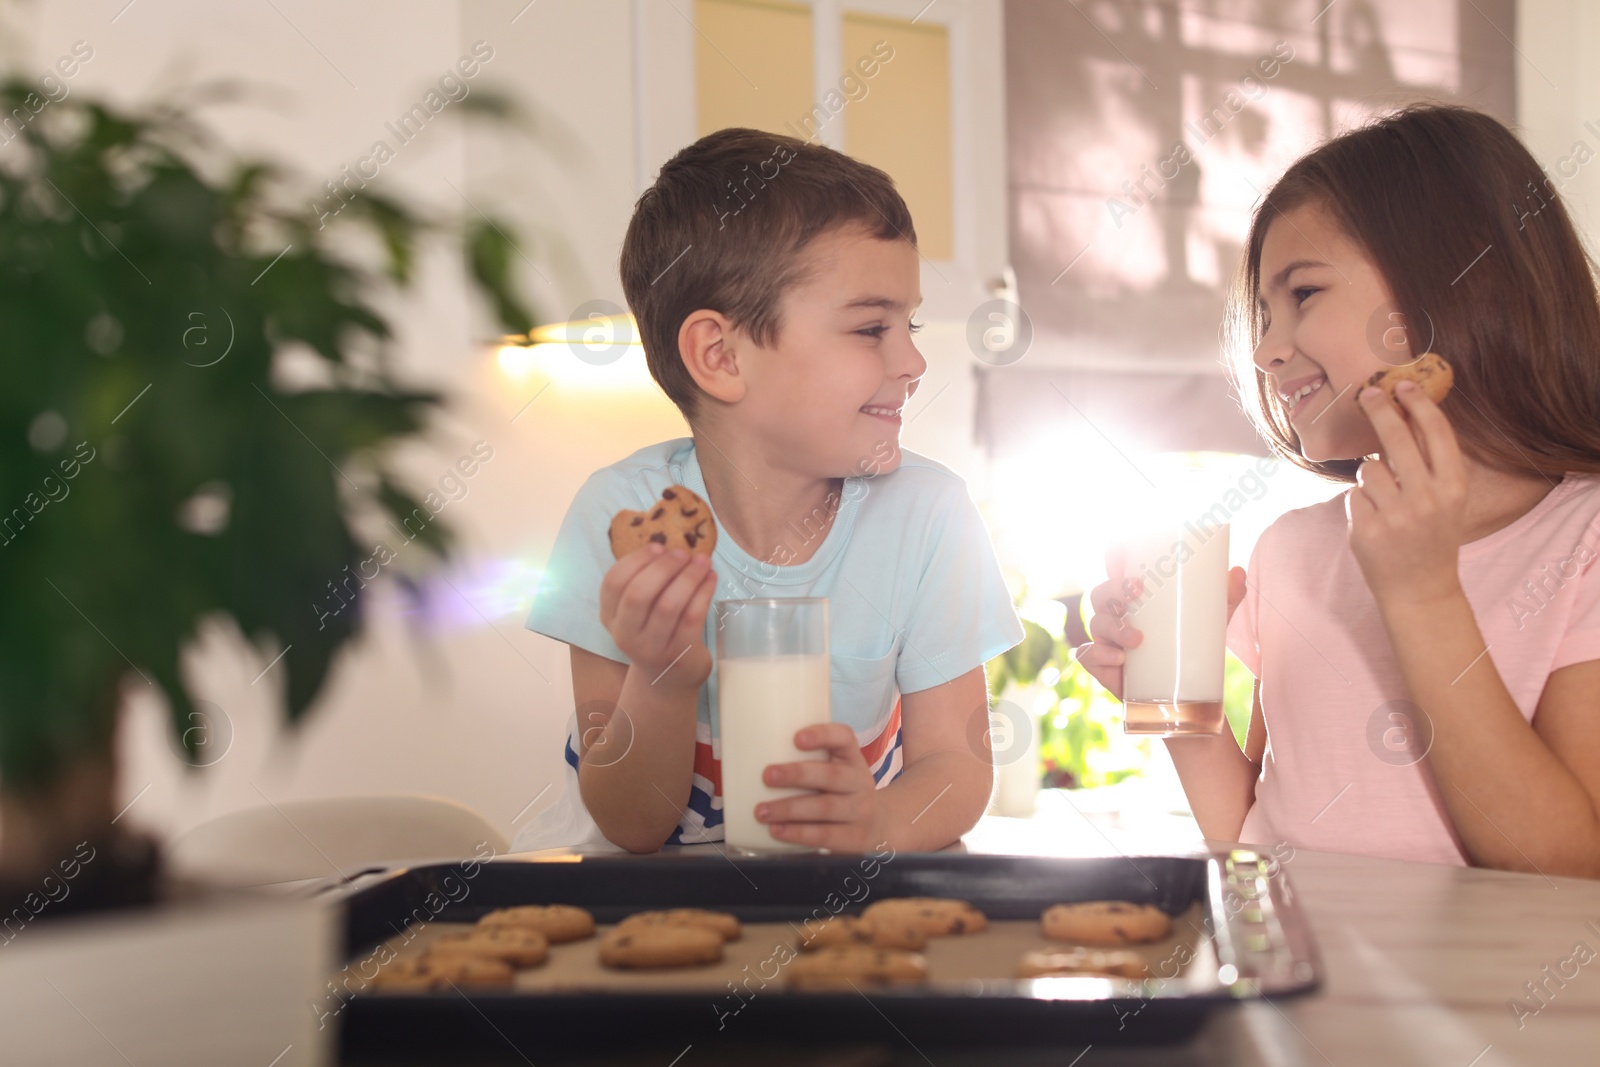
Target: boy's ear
{"points": [[708, 344]]}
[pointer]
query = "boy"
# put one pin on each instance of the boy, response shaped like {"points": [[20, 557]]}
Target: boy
{"points": [[774, 283]]}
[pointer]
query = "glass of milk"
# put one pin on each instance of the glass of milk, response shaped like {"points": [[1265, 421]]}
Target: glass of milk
{"points": [[772, 682], [1172, 682]]}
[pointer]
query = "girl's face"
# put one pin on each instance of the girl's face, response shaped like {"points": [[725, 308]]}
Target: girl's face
{"points": [[1330, 324]]}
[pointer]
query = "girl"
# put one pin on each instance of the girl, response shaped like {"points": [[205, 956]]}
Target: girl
{"points": [[1426, 646]]}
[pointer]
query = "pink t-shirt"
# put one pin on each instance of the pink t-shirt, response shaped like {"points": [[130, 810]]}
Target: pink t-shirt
{"points": [[1343, 769]]}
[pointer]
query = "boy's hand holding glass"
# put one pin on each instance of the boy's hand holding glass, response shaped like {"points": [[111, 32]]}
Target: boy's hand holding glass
{"points": [[844, 813], [654, 602], [1407, 516]]}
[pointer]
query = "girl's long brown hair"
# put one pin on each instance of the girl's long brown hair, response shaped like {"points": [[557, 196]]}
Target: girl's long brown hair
{"points": [[1477, 248]]}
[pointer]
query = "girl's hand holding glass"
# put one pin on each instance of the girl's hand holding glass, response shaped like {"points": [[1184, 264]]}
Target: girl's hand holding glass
{"points": [[1111, 634]]}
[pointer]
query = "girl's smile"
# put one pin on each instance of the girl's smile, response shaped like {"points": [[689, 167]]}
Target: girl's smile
{"points": [[1297, 394]]}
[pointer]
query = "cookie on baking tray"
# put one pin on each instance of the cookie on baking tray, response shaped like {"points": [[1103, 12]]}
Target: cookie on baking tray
{"points": [[426, 972], [853, 930], [557, 922], [844, 966], [1429, 370], [513, 945], [646, 946], [934, 916], [1105, 922], [719, 922], [680, 519], [1073, 962]]}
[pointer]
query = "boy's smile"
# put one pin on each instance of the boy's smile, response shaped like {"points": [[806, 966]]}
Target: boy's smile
{"points": [[1328, 327]]}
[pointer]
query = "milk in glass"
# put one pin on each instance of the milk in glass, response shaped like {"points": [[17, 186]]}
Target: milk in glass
{"points": [[763, 701], [1172, 681], [772, 682]]}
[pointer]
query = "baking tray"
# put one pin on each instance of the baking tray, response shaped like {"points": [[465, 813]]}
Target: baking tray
{"points": [[1238, 935]]}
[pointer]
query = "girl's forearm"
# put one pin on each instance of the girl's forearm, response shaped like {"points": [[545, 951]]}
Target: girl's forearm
{"points": [[1219, 780], [1514, 803], [635, 778]]}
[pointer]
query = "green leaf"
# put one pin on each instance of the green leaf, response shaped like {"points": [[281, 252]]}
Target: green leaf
{"points": [[496, 106], [397, 226], [489, 252], [1025, 660], [413, 519]]}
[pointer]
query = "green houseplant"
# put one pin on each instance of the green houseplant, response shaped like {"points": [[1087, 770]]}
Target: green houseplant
{"points": [[156, 467]]}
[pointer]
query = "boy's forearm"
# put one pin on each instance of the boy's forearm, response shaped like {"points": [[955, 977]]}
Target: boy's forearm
{"points": [[935, 801], [1218, 779], [637, 798]]}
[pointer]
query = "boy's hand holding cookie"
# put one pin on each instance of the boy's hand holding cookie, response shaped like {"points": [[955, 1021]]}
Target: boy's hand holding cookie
{"points": [[654, 599], [653, 602], [845, 814], [1407, 514]]}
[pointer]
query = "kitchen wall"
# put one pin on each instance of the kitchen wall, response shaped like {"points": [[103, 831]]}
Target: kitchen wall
{"points": [[1141, 135], [1558, 100], [460, 700]]}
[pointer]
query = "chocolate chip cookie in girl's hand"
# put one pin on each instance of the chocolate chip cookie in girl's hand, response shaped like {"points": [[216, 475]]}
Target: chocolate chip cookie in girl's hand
{"points": [[1429, 372]]}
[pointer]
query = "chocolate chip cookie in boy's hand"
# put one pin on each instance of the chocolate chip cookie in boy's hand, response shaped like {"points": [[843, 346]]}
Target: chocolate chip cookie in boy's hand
{"points": [[678, 520], [1429, 370]]}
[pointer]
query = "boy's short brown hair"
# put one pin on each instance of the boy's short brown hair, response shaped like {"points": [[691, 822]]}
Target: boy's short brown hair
{"points": [[723, 228]]}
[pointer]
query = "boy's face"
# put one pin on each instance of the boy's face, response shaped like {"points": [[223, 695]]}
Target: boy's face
{"points": [[828, 397]]}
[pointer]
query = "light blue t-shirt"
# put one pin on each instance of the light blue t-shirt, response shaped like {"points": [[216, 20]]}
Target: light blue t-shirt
{"points": [[915, 599]]}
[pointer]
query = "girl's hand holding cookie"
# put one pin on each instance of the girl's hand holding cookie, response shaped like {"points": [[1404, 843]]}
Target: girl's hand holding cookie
{"points": [[653, 602], [844, 814], [1407, 514]]}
